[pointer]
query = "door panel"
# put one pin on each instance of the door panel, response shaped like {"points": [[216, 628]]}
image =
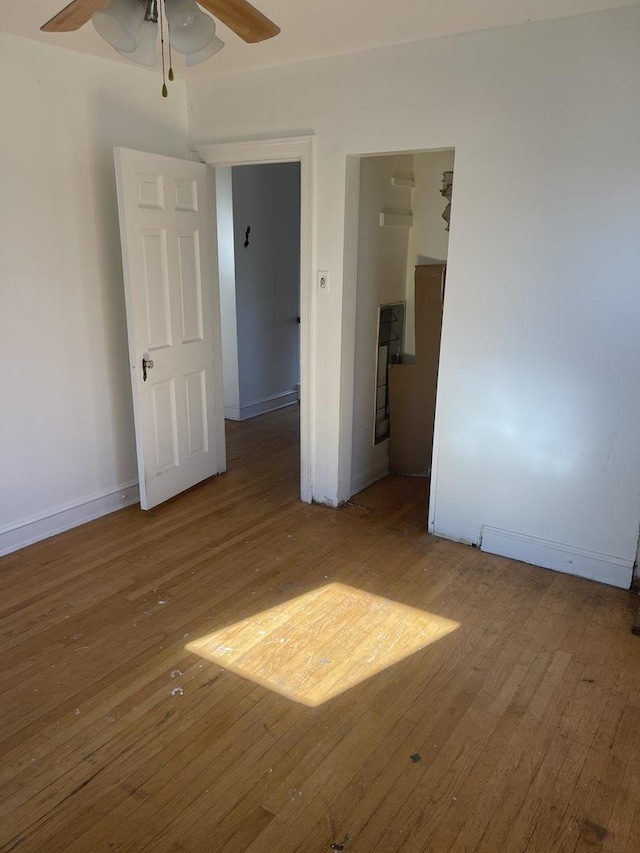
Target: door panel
{"points": [[156, 288], [190, 287], [165, 426], [173, 323], [197, 413]]}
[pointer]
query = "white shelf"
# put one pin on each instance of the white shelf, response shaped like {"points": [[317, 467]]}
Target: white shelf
{"points": [[397, 181], [396, 220]]}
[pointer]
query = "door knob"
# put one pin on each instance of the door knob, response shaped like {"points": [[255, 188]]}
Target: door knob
{"points": [[147, 364]]}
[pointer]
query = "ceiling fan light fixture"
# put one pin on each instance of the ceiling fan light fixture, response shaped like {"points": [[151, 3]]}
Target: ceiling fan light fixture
{"points": [[145, 52], [207, 52], [134, 27], [119, 23], [191, 30], [181, 13]]}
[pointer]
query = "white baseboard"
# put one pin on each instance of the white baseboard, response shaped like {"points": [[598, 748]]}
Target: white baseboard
{"points": [[367, 478], [26, 531], [231, 412], [261, 407], [615, 571]]}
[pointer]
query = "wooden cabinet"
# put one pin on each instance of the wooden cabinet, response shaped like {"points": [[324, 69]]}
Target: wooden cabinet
{"points": [[412, 387]]}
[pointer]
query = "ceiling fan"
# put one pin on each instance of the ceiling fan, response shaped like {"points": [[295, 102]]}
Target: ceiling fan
{"points": [[239, 15], [132, 26]]}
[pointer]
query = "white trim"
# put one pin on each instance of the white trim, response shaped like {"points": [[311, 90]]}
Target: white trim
{"points": [[348, 333], [605, 568], [288, 149], [232, 412], [285, 149], [26, 531], [218, 379], [260, 407], [433, 483], [370, 476]]}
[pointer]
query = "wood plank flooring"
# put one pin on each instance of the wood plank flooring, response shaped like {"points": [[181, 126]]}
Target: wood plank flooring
{"points": [[520, 731]]}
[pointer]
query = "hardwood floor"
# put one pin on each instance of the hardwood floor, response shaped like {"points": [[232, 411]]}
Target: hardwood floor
{"points": [[520, 731]]}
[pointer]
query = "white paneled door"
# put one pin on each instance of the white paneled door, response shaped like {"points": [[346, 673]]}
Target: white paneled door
{"points": [[173, 319]]}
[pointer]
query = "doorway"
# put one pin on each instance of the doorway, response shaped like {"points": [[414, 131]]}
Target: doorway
{"points": [[295, 149], [402, 203]]}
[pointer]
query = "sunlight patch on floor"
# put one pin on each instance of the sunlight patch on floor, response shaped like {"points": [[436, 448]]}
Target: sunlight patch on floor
{"points": [[320, 644]]}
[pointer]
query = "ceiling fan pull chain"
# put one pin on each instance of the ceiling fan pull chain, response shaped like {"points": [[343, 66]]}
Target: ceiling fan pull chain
{"points": [[171, 75], [165, 91]]}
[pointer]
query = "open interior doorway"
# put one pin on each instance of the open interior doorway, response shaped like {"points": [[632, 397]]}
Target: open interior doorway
{"points": [[287, 149], [402, 249], [258, 230]]}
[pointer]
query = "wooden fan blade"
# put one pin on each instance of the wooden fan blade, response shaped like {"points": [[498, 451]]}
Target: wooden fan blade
{"points": [[73, 16], [243, 18]]}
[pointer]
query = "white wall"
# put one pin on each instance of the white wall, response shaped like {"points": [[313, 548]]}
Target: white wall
{"points": [[428, 240], [66, 431], [266, 198], [538, 414], [381, 276]]}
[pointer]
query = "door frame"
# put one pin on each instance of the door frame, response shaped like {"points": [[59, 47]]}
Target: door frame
{"points": [[288, 149], [352, 213]]}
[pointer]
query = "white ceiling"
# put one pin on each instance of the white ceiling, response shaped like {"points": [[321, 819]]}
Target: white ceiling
{"points": [[315, 28]]}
